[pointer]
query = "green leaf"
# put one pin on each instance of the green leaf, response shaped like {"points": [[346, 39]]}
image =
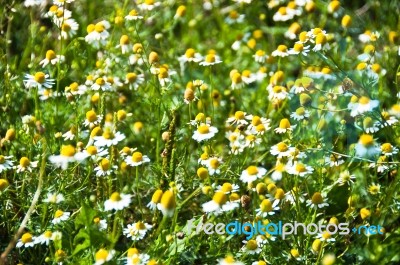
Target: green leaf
{"points": [[85, 216]]}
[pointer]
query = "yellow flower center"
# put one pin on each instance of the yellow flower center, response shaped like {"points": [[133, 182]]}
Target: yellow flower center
{"points": [[300, 168], [203, 129], [190, 53], [102, 254], [284, 124], [386, 148], [210, 58], [133, 13], [226, 187], [214, 163], [99, 27], [58, 214], [91, 116], [251, 244], [168, 200], [279, 194], [266, 206], [50, 55], [149, 2], [260, 53], [239, 115], [295, 253], [236, 78], [47, 234], [334, 5], [282, 48], [100, 81], [303, 36], [68, 150], [300, 111], [363, 100], [24, 162], [298, 47], [140, 226], [157, 196], [366, 140], [317, 198], [115, 197], [326, 235], [282, 147], [233, 14], [376, 68], [256, 120], [320, 39], [229, 260], [260, 128], [220, 198], [124, 40], [278, 89], [137, 157], [108, 134], [282, 10], [252, 170], [163, 73], [202, 173], [137, 48], [40, 77], [26, 238], [104, 164]]}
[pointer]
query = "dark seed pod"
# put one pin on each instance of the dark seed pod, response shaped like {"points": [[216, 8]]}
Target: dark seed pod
{"points": [[245, 200]]}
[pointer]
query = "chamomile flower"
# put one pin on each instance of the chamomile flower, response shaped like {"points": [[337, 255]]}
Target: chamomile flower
{"points": [[299, 169], [300, 114], [70, 134], [219, 204], [236, 80], [284, 126], [234, 17], [281, 150], [136, 159], [388, 120], [260, 56], [299, 48], [370, 126], [251, 247], [345, 178], [366, 146], [26, 165], [277, 92], [317, 201], [210, 59], [108, 138], [326, 236], [213, 165], [97, 34], [51, 58], [124, 44], [155, 199], [149, 5], [281, 51], [334, 160], [190, 56], [69, 28], [55, 198], [39, 80], [167, 203], [102, 84], [240, 117], [163, 74], [60, 216], [101, 224], [92, 119], [204, 132], [263, 124], [229, 260], [137, 231], [292, 31], [62, 2], [283, 15], [133, 257], [103, 255], [91, 151], [320, 42], [134, 80], [252, 173], [133, 15], [66, 156], [44, 238], [267, 207], [248, 77], [278, 171], [117, 201], [388, 149], [228, 188], [27, 240], [104, 168], [75, 89], [374, 189], [363, 105]]}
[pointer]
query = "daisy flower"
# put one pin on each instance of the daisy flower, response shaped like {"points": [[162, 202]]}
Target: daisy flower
{"points": [[366, 146], [370, 126], [204, 132], [104, 168], [68, 28], [39, 80], [277, 92], [258, 121], [55, 198], [124, 44], [292, 31], [26, 165], [44, 238], [75, 89], [92, 119], [101, 224], [299, 48], [134, 80], [334, 160], [92, 152], [363, 105], [374, 189], [299, 169], [149, 5], [60, 216], [252, 173], [237, 82], [136, 258], [326, 236], [167, 203], [213, 165], [317, 201], [102, 84], [97, 34], [252, 141], [210, 59], [62, 2], [300, 114], [345, 178], [320, 42], [108, 138], [117, 201], [136, 159], [267, 208], [388, 120], [137, 231], [66, 156], [51, 58], [281, 150], [251, 247], [278, 171], [155, 199], [229, 260], [26, 240], [70, 134], [190, 56], [240, 117], [228, 188], [284, 126], [281, 51], [388, 149], [163, 74], [260, 56], [103, 255], [248, 77], [234, 17], [219, 204], [282, 14], [133, 15]]}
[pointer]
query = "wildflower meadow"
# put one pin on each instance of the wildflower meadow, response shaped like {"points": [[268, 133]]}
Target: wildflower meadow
{"points": [[226, 132]]}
